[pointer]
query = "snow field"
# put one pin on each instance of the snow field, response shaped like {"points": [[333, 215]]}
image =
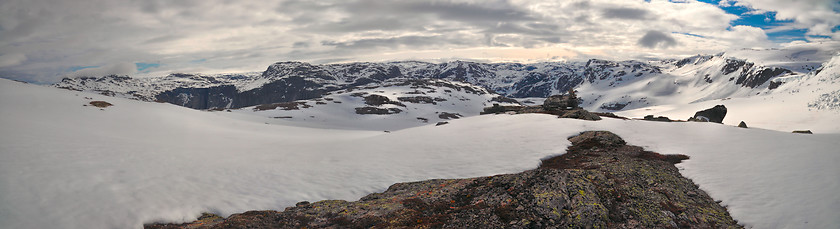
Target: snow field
{"points": [[64, 165]]}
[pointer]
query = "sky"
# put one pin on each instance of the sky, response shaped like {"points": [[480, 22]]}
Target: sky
{"points": [[42, 41]]}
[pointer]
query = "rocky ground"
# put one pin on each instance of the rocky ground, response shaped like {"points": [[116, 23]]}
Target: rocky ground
{"points": [[600, 182]]}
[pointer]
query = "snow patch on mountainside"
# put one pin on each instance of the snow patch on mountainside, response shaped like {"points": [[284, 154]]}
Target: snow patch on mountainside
{"points": [[410, 104]]}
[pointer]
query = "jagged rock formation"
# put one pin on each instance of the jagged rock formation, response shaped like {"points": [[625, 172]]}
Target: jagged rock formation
{"points": [[599, 183]]}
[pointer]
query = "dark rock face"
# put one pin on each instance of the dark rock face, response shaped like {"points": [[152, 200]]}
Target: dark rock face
{"points": [[658, 119], [378, 100], [199, 98], [614, 106], [284, 106], [802, 132], [497, 109], [599, 183], [226, 96], [774, 84], [733, 65], [503, 99], [578, 114], [447, 115], [752, 76], [377, 111], [559, 102], [417, 99], [714, 114], [758, 76]]}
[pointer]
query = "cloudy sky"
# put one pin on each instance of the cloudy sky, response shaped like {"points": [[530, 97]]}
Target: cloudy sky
{"points": [[44, 40]]}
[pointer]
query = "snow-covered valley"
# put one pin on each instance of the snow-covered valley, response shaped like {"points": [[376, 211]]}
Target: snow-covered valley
{"points": [[65, 165]]}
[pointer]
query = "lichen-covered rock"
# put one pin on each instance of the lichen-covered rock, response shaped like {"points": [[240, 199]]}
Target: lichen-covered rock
{"points": [[599, 183]]}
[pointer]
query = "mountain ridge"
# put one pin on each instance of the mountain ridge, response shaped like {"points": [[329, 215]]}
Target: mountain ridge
{"points": [[715, 76]]}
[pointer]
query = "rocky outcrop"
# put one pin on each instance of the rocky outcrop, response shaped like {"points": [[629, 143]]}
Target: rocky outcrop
{"points": [[564, 106], [742, 124], [657, 119], [227, 96], [600, 182], [714, 114], [377, 111], [557, 102], [378, 100], [498, 109]]}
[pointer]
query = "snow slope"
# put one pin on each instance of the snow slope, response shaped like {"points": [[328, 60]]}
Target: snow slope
{"points": [[64, 165], [801, 102], [445, 100]]}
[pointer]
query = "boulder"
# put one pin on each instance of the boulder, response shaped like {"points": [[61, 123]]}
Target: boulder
{"points": [[658, 119], [497, 109], [742, 124], [714, 114], [561, 102], [579, 114], [802, 132]]}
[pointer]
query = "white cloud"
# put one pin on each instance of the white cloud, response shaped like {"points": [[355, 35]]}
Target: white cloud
{"points": [[55, 36], [12, 59], [818, 16], [111, 69]]}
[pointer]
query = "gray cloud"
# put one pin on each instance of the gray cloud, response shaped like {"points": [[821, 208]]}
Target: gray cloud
{"points": [[43, 40], [411, 41], [627, 13], [654, 39]]}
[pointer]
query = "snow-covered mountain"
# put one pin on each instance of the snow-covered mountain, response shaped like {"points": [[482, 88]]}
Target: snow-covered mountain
{"points": [[610, 85]]}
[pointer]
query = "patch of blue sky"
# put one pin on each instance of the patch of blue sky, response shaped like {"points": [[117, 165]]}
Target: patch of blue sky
{"points": [[76, 68], [690, 34], [141, 67], [765, 20]]}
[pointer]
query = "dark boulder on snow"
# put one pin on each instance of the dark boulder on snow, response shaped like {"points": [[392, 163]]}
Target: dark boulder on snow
{"points": [[600, 182], [441, 123], [378, 100], [742, 124], [714, 114], [657, 119], [377, 111], [561, 102], [802, 132], [447, 115], [578, 114], [498, 109]]}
